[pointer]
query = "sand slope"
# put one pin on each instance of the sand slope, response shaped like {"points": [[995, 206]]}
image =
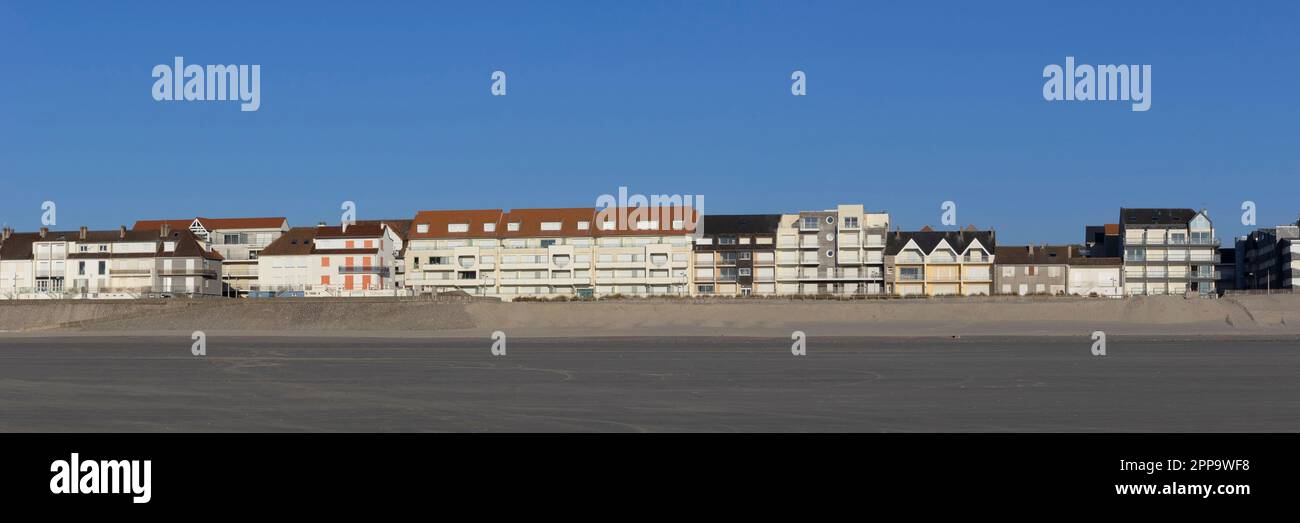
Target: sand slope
{"points": [[1250, 315]]}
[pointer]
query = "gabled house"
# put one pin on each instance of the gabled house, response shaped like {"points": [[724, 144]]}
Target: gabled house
{"points": [[936, 263]]}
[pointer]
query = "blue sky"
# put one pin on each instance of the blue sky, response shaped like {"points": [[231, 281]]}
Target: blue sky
{"points": [[909, 104]]}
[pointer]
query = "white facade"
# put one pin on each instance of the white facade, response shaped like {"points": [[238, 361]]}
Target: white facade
{"points": [[1103, 280]]}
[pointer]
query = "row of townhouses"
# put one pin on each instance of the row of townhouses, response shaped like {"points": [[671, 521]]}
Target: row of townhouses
{"points": [[588, 252]]}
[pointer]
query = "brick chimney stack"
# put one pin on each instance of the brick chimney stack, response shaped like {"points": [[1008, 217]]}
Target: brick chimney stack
{"points": [[81, 234], [121, 232], [6, 233], [44, 231], [165, 230]]}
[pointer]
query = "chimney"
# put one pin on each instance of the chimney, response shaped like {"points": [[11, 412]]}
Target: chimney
{"points": [[6, 233], [165, 230], [1031, 249], [121, 231], [44, 231], [81, 234]]}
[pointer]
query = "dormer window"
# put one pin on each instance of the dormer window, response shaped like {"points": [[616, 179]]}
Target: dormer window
{"points": [[489, 227], [551, 226], [584, 225], [512, 226], [458, 227]]}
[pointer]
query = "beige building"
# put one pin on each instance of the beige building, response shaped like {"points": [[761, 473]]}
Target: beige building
{"points": [[541, 253], [837, 252], [1168, 251], [938, 263]]}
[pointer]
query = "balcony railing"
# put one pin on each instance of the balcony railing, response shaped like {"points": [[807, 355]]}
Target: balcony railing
{"points": [[364, 269]]}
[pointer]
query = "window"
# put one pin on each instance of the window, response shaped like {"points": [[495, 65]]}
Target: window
{"points": [[727, 273], [551, 226], [727, 257], [370, 244], [422, 228], [230, 239], [584, 225], [512, 226], [911, 273], [325, 261], [809, 222], [850, 222], [547, 243], [704, 289], [81, 268], [252, 255], [726, 240], [745, 271], [103, 268], [351, 244], [458, 227], [1008, 271], [489, 227], [745, 255], [325, 279], [103, 248]]}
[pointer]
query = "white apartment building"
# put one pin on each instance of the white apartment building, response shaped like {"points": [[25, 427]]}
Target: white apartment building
{"points": [[238, 240], [1168, 251], [107, 264], [354, 260], [572, 252], [940, 263], [833, 252]]}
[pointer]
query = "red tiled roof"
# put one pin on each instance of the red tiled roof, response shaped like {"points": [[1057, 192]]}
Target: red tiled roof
{"points": [[437, 222]]}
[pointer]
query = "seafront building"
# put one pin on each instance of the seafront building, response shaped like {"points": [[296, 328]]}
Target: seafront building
{"points": [[940, 263], [548, 253], [835, 252], [237, 240], [1168, 251], [1269, 259], [118, 264], [736, 255], [341, 260]]}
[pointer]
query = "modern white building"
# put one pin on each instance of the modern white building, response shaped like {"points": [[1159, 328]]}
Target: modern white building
{"points": [[354, 260], [1168, 251]]}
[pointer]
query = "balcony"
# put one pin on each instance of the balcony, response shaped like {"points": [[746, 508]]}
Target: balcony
{"points": [[364, 269], [181, 271]]}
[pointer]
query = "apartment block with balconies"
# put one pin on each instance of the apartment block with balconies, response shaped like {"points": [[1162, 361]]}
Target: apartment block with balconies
{"points": [[735, 255], [239, 241], [542, 253], [838, 252], [1168, 251], [940, 263]]}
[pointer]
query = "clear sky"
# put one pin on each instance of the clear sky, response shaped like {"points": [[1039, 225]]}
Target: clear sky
{"points": [[908, 104]]}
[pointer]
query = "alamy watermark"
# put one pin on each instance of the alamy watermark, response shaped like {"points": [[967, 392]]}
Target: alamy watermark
{"points": [[189, 83], [662, 212], [1102, 83]]}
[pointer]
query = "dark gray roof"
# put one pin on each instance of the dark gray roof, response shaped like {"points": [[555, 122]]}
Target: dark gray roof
{"points": [[715, 224], [928, 240], [1034, 254], [1156, 216]]}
